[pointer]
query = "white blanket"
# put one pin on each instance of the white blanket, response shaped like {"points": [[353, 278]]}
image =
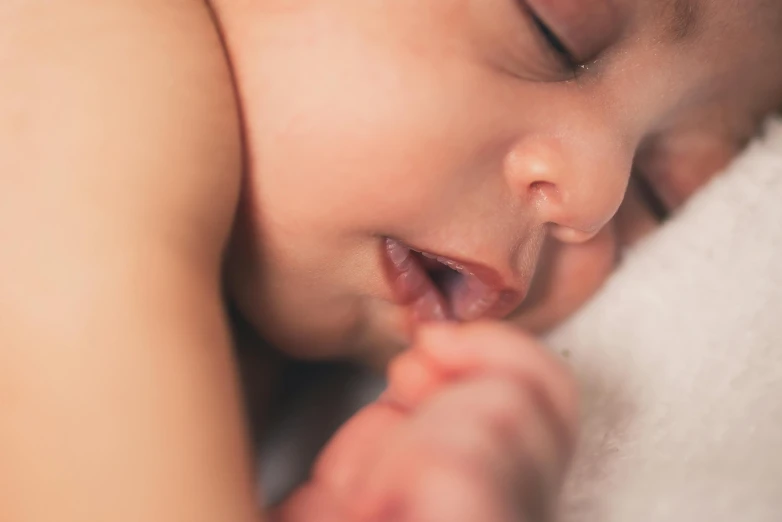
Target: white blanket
{"points": [[680, 362]]}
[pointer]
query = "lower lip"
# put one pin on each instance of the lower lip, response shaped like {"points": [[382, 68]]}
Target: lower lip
{"points": [[413, 288]]}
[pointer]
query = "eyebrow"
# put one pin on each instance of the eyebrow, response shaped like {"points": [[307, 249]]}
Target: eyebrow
{"points": [[683, 18]]}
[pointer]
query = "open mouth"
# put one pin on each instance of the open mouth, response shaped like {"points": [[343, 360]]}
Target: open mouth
{"points": [[437, 288]]}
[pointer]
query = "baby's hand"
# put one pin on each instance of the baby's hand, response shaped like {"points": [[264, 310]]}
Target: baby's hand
{"points": [[478, 424]]}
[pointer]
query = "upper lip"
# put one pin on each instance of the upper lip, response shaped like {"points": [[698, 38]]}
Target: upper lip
{"points": [[486, 274], [507, 293]]}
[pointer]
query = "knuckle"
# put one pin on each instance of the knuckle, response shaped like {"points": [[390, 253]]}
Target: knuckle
{"points": [[501, 348], [459, 484], [437, 489], [507, 409]]}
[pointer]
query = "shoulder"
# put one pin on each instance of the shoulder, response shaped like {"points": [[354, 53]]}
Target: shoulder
{"points": [[128, 102]]}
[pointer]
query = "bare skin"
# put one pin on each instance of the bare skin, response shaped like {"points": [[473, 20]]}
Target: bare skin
{"points": [[121, 162], [118, 183], [457, 127], [478, 423]]}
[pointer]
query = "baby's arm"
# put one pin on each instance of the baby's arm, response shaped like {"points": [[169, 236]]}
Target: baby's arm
{"points": [[119, 171]]}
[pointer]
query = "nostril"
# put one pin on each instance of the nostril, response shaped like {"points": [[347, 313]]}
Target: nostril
{"points": [[550, 203], [543, 188], [533, 167]]}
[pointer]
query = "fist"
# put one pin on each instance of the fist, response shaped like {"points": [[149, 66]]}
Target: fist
{"points": [[478, 424]]}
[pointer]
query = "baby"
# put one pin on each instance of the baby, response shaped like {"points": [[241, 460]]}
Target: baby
{"points": [[354, 177]]}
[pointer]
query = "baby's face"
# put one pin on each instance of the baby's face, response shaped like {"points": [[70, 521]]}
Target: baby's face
{"points": [[482, 132]]}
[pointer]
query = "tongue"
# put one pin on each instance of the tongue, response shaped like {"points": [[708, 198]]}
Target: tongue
{"points": [[469, 298]]}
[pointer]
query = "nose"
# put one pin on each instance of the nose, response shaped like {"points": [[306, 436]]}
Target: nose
{"points": [[574, 183]]}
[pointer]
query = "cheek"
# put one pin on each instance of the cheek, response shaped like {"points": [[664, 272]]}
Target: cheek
{"points": [[350, 131], [338, 126]]}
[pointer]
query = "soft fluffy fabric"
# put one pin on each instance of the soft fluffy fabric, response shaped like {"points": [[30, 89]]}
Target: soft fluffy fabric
{"points": [[680, 362]]}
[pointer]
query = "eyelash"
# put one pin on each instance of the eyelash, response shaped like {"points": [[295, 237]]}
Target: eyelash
{"points": [[554, 42], [650, 195]]}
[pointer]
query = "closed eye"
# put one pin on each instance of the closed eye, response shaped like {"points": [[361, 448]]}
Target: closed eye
{"points": [[553, 41], [650, 196]]}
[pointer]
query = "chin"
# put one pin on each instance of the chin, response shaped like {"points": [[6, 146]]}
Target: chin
{"points": [[369, 333]]}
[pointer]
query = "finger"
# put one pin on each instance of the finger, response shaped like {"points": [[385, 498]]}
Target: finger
{"points": [[435, 489], [446, 493], [501, 349], [412, 378], [483, 430], [488, 423], [342, 465], [310, 503]]}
